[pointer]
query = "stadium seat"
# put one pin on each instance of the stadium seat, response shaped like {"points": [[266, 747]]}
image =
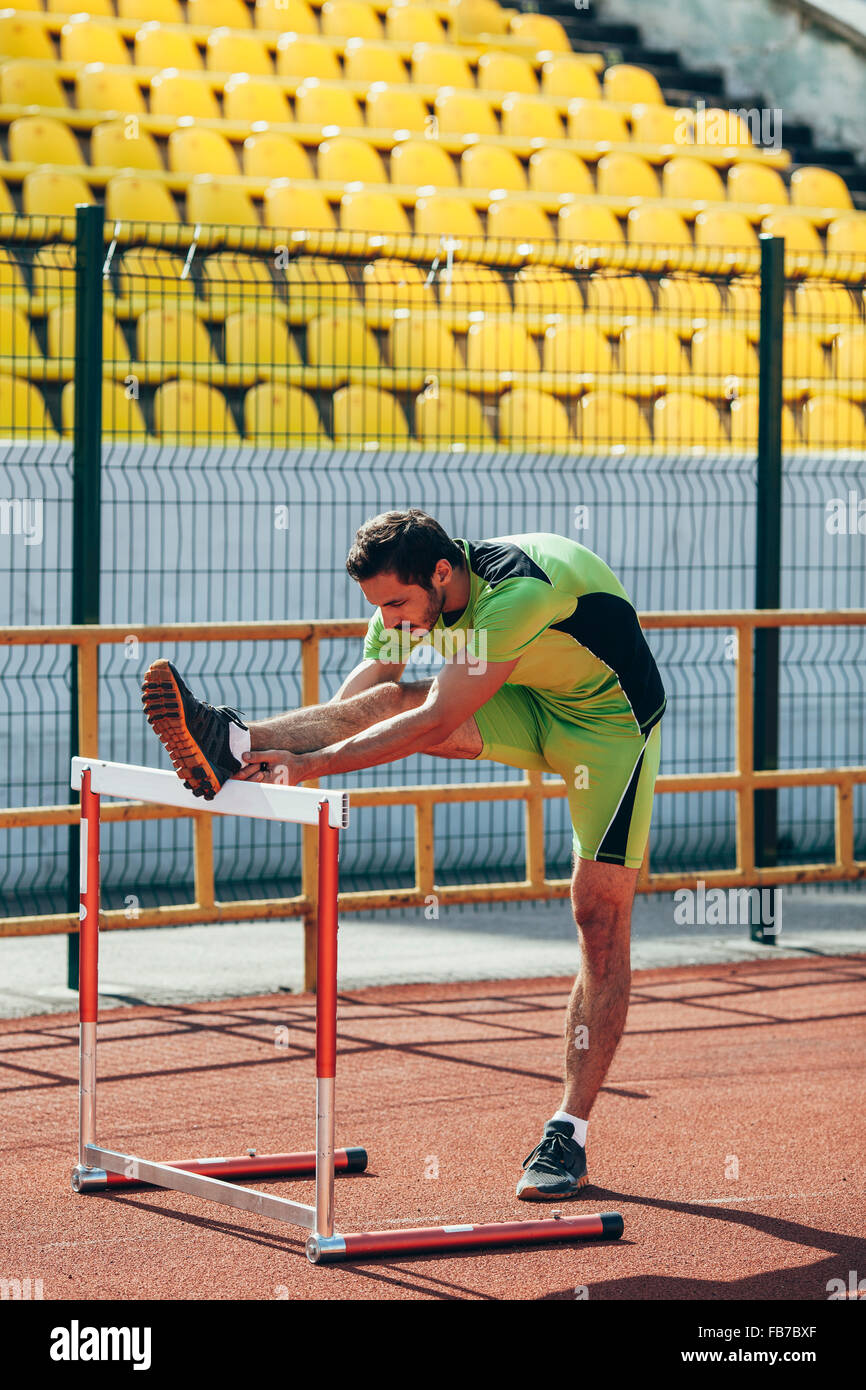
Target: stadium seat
{"points": [[659, 229], [744, 422], [193, 150], [435, 65], [468, 290], [86, 40], [595, 120], [679, 418], [442, 215], [365, 417], [124, 145], [218, 14], [684, 177], [819, 302], [172, 94], [150, 273], [228, 51], [22, 411], [661, 125], [651, 349], [623, 295], [98, 90], [43, 140], [54, 275], [833, 422], [129, 198], [191, 413], [491, 166], [157, 46], [540, 31], [286, 16], [365, 61], [210, 200], [18, 347], [849, 360], [121, 413], [94, 7], [299, 55], [421, 162], [799, 234], [347, 159], [846, 236], [323, 103], [6, 203], [721, 129], [392, 110], [727, 233], [26, 83], [423, 345], [269, 155], [589, 225], [339, 342], [608, 420], [377, 213], [259, 338], [392, 286], [533, 420], [500, 345], [626, 176], [296, 208], [685, 294], [755, 183], [451, 419], [514, 218], [19, 39], [559, 171], [802, 354], [231, 281], [472, 17], [506, 72], [163, 11], [278, 414], [567, 75], [744, 297], [350, 19], [252, 99], [719, 352], [44, 193], [819, 188], [173, 338], [413, 24], [624, 82], [464, 113], [318, 288], [60, 340], [531, 118], [542, 292], [573, 349], [13, 286]]}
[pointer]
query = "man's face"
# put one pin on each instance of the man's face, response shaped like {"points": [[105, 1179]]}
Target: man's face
{"points": [[408, 603]]}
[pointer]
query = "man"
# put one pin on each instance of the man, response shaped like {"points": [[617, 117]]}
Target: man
{"points": [[546, 667]]}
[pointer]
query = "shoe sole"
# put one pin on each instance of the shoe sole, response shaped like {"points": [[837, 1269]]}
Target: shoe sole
{"points": [[163, 705], [536, 1194]]}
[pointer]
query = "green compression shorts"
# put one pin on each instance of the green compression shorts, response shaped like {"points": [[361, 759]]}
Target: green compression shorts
{"points": [[609, 771]]}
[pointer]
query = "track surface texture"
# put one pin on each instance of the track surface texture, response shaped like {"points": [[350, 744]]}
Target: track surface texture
{"points": [[729, 1134]]}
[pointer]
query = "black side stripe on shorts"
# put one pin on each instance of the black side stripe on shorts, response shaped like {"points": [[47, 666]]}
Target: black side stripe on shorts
{"points": [[607, 626], [613, 846]]}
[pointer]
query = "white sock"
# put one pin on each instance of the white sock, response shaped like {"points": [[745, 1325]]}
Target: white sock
{"points": [[579, 1126], [239, 740]]}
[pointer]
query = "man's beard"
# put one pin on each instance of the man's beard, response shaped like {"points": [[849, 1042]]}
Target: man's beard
{"points": [[434, 608]]}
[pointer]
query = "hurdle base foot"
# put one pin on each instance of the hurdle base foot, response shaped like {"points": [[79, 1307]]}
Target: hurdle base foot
{"points": [[86, 1179], [325, 1250]]}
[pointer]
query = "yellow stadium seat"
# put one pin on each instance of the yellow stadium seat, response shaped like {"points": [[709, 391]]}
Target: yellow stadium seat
{"points": [[491, 166], [819, 188], [559, 171], [500, 345], [588, 224], [744, 422], [464, 113], [345, 159], [269, 155], [449, 419], [259, 338], [42, 140], [413, 24], [373, 212], [728, 232], [121, 413], [659, 229], [391, 110], [232, 281], [18, 39], [572, 349], [25, 83], [193, 150], [316, 287], [392, 286], [720, 128], [533, 420], [300, 55], [471, 17], [610, 420], [467, 291], [366, 418], [833, 422], [157, 46], [849, 357], [323, 103], [254, 99], [190, 413], [531, 118], [286, 16], [340, 342], [422, 345], [660, 125], [626, 176], [802, 354], [22, 411], [173, 338], [98, 90], [6, 203], [218, 14], [300, 209], [86, 40], [94, 7], [623, 295], [210, 200], [150, 273], [822, 303], [719, 352], [799, 234], [162, 11], [129, 198], [542, 293], [365, 61], [624, 82], [435, 65], [172, 94], [48, 194], [421, 162], [755, 183], [567, 75], [350, 19], [684, 294], [124, 145], [684, 177], [54, 274], [679, 418], [19, 351], [228, 51], [278, 414], [744, 297], [650, 349], [513, 218], [540, 31], [595, 120], [60, 337], [506, 72], [13, 286], [846, 236], [442, 215]]}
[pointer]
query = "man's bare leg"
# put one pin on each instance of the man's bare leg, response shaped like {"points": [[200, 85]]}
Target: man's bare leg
{"points": [[317, 726]]}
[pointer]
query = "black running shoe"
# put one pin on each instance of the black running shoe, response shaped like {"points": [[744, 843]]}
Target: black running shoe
{"points": [[195, 733], [556, 1168]]}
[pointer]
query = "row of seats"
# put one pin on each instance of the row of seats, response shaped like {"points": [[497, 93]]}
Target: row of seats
{"points": [[193, 413]]}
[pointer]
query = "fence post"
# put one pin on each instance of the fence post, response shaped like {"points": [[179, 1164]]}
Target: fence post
{"points": [[768, 540], [86, 491]]}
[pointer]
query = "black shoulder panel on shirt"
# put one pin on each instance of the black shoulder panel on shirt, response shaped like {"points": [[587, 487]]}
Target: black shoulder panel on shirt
{"points": [[494, 561], [607, 626]]}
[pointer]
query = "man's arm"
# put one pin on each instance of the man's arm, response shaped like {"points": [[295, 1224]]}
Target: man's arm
{"points": [[366, 674]]}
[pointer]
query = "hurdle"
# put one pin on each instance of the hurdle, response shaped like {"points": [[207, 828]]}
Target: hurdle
{"points": [[106, 1170]]}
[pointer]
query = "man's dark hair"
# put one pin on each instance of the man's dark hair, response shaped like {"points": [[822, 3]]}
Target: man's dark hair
{"points": [[409, 544]]}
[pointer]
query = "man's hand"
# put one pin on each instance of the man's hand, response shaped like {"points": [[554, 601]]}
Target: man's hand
{"points": [[275, 765]]}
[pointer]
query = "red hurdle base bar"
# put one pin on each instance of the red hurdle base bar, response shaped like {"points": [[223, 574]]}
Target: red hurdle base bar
{"points": [[101, 1170]]}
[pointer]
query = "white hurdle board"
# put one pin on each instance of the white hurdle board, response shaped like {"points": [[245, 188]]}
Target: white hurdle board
{"points": [[261, 800]]}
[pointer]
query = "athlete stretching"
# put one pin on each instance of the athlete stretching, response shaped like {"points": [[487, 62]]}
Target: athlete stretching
{"points": [[546, 667]]}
